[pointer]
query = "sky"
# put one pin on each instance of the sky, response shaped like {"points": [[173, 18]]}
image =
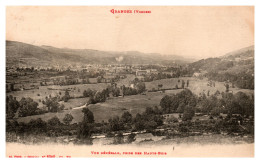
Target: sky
{"points": [[197, 32]]}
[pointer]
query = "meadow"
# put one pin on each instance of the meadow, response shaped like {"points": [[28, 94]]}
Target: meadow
{"points": [[116, 106]]}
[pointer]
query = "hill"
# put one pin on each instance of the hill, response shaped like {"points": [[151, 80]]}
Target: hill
{"points": [[31, 55], [236, 67]]}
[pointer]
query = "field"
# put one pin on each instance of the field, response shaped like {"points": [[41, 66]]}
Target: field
{"points": [[115, 106], [53, 90], [196, 85], [103, 111]]}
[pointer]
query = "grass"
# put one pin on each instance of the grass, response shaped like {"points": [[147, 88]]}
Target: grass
{"points": [[197, 86], [72, 103], [43, 91], [103, 111], [117, 106]]}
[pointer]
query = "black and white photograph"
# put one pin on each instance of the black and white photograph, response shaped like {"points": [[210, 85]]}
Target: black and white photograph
{"points": [[129, 81]]}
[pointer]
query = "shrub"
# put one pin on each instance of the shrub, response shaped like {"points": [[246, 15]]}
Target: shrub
{"points": [[131, 138], [67, 119]]}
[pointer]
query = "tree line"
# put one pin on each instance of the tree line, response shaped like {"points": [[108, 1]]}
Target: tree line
{"points": [[225, 102]]}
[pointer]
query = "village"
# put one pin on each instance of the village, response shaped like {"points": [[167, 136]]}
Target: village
{"points": [[121, 86]]}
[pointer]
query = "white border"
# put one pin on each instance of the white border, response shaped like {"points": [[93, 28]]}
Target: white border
{"points": [[4, 3]]}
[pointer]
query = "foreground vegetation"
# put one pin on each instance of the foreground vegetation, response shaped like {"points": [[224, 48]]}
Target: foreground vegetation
{"points": [[225, 114]]}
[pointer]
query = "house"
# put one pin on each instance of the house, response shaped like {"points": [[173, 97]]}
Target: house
{"points": [[152, 71], [141, 72]]}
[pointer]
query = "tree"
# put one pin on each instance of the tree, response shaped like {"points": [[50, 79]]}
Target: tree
{"points": [[166, 103], [27, 107], [173, 103], [180, 108], [227, 87], [126, 117], [12, 86], [66, 97], [99, 78], [12, 106], [115, 92], [86, 126], [246, 103], [119, 139], [88, 115], [99, 97], [123, 90], [62, 107], [54, 121], [88, 93], [53, 104], [183, 84], [216, 111], [67, 119], [139, 122], [160, 86], [208, 104], [188, 113], [140, 86], [157, 111], [85, 130], [37, 126], [115, 124], [131, 138], [105, 93], [148, 111], [91, 100]]}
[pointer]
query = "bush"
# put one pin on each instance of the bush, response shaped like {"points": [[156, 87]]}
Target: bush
{"points": [[216, 111], [66, 97], [53, 104], [67, 119], [85, 130], [172, 120], [36, 126], [54, 121], [12, 106], [188, 113], [27, 107], [131, 138], [88, 93], [119, 139]]}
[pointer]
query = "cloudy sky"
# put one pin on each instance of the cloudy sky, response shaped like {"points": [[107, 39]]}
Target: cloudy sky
{"points": [[197, 32]]}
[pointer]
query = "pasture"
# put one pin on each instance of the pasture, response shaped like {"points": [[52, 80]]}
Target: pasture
{"points": [[196, 85], [38, 95], [116, 106]]}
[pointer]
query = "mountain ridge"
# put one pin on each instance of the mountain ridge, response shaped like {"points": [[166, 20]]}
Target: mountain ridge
{"points": [[16, 50]]}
